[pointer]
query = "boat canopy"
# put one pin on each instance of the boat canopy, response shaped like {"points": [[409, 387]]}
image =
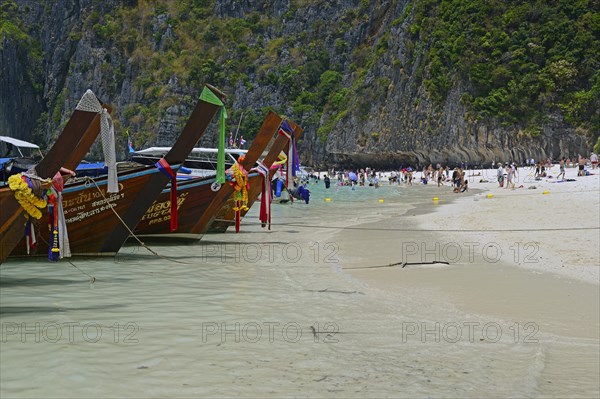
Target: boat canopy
{"points": [[18, 143], [11, 144], [157, 151]]}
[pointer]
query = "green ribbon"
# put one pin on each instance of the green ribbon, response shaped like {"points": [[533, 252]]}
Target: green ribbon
{"points": [[210, 97]]}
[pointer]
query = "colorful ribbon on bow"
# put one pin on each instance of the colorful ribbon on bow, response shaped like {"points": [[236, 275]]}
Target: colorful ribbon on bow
{"points": [[210, 97], [293, 164], [266, 196], [165, 168]]}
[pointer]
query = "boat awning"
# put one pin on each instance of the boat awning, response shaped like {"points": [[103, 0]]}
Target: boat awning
{"points": [[18, 143], [159, 151], [89, 166]]}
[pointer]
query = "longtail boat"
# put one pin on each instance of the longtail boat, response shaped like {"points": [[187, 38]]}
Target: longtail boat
{"points": [[227, 216], [99, 220], [196, 196], [202, 161], [69, 149]]}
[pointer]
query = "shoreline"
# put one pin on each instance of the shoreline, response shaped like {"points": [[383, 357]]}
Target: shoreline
{"points": [[394, 329], [534, 279]]}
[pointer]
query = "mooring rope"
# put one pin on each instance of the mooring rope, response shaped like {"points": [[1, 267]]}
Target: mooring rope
{"points": [[314, 226], [128, 229]]}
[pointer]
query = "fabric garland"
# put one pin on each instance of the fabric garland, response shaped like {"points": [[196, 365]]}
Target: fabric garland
{"points": [[24, 187], [53, 244], [30, 239], [265, 199], [282, 160], [165, 168], [239, 181], [64, 247], [292, 161], [89, 103], [208, 96]]}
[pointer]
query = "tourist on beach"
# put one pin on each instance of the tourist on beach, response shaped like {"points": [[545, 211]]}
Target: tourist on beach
{"points": [[500, 173], [509, 177], [562, 168], [582, 162], [440, 176], [594, 159], [455, 179], [515, 171]]}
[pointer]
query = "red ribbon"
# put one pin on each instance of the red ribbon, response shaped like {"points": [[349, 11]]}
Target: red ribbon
{"points": [[164, 167]]}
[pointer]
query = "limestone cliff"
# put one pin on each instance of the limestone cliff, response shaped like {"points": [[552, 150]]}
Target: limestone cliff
{"points": [[357, 75]]}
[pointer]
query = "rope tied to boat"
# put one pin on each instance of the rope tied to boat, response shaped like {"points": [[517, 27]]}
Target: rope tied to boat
{"points": [[92, 181], [89, 103]]}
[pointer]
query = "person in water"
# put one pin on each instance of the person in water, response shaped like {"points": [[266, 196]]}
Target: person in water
{"points": [[327, 181]]}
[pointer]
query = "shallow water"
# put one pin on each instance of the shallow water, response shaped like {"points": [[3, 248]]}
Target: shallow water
{"points": [[271, 313]]}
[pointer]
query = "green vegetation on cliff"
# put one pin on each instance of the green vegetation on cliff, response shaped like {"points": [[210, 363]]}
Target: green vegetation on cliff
{"points": [[523, 59], [518, 62]]}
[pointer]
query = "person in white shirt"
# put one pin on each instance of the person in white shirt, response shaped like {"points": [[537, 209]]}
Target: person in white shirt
{"points": [[500, 175]]}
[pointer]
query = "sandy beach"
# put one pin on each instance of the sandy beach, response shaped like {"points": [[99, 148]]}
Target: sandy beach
{"points": [[524, 256], [312, 307]]}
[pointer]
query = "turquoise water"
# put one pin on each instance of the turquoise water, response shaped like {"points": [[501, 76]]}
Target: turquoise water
{"points": [[266, 313]]}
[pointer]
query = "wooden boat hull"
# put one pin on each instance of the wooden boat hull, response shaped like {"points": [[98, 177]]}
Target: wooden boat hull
{"points": [[226, 215], [99, 223], [68, 151], [196, 201], [193, 198], [271, 126], [87, 208], [192, 132]]}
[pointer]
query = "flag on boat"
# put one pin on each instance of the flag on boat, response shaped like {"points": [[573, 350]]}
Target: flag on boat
{"points": [[130, 144]]}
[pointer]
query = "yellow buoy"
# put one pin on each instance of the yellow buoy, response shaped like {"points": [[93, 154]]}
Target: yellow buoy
{"points": [[380, 200], [490, 195], [436, 199], [546, 192], [327, 199]]}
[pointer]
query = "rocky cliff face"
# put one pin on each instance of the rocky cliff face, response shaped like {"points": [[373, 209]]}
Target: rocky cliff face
{"points": [[388, 117]]}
